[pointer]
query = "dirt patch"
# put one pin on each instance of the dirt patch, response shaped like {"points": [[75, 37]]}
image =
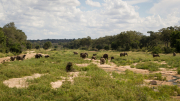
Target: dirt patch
{"points": [[29, 55], [172, 78], [20, 82], [5, 59], [82, 65], [87, 59], [70, 78], [29, 52], [113, 67]]}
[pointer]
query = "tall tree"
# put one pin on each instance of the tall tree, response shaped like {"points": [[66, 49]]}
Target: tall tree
{"points": [[175, 40], [47, 45], [129, 39], [16, 38], [28, 45], [2, 41], [154, 39], [165, 34]]}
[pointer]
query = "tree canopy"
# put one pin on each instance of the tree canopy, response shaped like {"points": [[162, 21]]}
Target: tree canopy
{"points": [[15, 39]]}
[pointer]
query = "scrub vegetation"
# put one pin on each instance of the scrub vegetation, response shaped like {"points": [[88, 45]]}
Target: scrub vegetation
{"points": [[95, 84]]}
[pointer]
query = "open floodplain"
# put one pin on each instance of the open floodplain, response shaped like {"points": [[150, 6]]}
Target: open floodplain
{"points": [[136, 77]]}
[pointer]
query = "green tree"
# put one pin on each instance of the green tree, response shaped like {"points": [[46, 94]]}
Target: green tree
{"points": [[16, 38], [129, 39], [28, 45], [16, 48], [145, 41], [106, 47], [99, 47], [2, 41], [47, 45], [85, 41], [165, 34], [114, 46], [178, 45], [154, 39], [37, 46], [175, 40], [55, 46]]}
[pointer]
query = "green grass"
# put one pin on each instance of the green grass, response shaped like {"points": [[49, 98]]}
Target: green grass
{"points": [[94, 83], [6, 54], [155, 76], [149, 66]]}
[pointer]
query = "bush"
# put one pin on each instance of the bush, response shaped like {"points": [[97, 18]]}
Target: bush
{"points": [[15, 48], [169, 50], [99, 47], [178, 70], [144, 49], [156, 50], [28, 45], [83, 48], [37, 47], [93, 49], [55, 46], [114, 46], [120, 49], [47, 45], [106, 47]]}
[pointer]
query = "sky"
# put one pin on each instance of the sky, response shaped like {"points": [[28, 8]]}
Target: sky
{"points": [[60, 19]]}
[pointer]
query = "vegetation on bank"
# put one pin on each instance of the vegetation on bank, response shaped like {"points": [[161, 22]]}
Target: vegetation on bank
{"points": [[95, 84]]}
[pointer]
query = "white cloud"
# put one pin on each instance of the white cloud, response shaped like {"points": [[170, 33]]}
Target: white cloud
{"points": [[92, 3], [133, 2], [165, 7], [42, 19]]}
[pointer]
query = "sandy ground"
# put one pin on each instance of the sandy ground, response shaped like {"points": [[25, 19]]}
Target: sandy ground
{"points": [[172, 78], [70, 78], [20, 82], [29, 55], [83, 65]]}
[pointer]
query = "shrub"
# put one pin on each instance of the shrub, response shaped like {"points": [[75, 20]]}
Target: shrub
{"points": [[37, 47], [99, 47], [83, 48], [47, 45], [178, 70], [106, 47], [120, 49], [15, 48], [156, 50], [169, 50], [28, 45], [55, 46]]}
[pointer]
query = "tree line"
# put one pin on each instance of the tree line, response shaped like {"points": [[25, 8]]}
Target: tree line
{"points": [[165, 40]]}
